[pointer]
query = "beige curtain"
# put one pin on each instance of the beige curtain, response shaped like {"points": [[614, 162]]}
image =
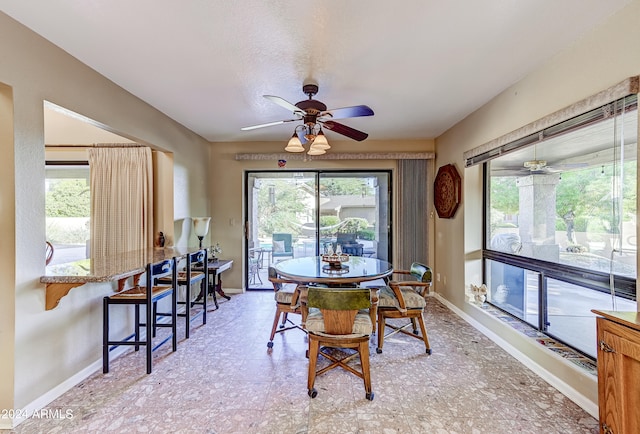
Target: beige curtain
{"points": [[121, 200], [413, 215]]}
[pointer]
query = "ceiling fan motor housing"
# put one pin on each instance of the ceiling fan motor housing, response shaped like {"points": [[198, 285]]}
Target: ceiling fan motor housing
{"points": [[310, 89], [312, 109]]}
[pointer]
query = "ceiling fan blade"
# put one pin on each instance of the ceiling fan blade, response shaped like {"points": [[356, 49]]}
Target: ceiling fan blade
{"points": [[352, 133], [284, 103], [348, 112], [268, 124]]}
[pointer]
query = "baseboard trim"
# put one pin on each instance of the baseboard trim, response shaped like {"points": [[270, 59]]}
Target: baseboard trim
{"points": [[42, 401], [585, 403]]}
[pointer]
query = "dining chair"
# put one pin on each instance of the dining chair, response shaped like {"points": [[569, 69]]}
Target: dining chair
{"points": [[404, 299], [143, 296], [187, 278], [287, 302], [339, 318]]}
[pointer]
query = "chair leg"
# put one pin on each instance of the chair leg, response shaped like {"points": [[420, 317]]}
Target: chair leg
{"points": [[363, 350], [203, 290], [187, 311], [314, 347], [423, 329], [137, 325], [275, 326], [381, 327], [174, 318], [150, 314], [105, 335], [284, 320], [155, 317], [414, 325]]}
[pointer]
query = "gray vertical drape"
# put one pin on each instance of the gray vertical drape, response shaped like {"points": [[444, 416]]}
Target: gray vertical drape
{"points": [[414, 195], [121, 200]]}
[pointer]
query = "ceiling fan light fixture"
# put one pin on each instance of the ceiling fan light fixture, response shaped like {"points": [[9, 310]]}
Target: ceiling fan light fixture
{"points": [[320, 142], [535, 165], [313, 113], [316, 151], [294, 144]]}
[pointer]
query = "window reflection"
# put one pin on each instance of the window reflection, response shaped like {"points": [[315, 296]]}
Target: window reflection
{"points": [[561, 225]]}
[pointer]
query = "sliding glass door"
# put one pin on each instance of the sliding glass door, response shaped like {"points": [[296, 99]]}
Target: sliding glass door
{"points": [[295, 214]]}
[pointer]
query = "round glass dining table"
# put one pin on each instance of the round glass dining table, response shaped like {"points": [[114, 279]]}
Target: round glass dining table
{"points": [[312, 269], [357, 269]]}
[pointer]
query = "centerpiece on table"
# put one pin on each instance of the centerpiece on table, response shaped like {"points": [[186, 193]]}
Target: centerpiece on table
{"points": [[335, 260]]}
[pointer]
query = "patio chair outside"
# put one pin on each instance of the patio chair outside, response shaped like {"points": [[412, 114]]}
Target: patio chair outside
{"points": [[282, 246]]}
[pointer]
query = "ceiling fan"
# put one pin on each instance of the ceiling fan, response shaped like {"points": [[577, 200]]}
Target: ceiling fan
{"points": [[314, 115], [537, 166]]}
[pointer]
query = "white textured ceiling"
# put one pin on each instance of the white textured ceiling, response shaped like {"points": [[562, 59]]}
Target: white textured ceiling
{"points": [[421, 65]]}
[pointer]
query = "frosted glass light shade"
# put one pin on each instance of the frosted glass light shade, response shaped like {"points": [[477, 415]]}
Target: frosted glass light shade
{"points": [[294, 144], [201, 226], [316, 151], [320, 142]]}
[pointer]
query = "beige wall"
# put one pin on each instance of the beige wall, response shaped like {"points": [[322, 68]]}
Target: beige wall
{"points": [[7, 246], [604, 58], [226, 184], [54, 349]]}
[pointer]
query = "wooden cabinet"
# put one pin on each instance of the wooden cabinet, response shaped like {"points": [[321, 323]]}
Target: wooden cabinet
{"points": [[618, 371]]}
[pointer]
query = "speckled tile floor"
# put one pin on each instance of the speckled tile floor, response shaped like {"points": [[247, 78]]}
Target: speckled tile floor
{"points": [[225, 380]]}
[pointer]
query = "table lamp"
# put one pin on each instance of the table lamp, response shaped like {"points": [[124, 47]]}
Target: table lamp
{"points": [[201, 227]]}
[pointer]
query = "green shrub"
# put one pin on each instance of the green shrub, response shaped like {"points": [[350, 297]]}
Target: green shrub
{"points": [[327, 221], [354, 225], [367, 234]]}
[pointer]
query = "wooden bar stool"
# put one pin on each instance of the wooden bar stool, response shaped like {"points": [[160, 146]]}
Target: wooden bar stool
{"points": [[187, 278], [143, 296]]}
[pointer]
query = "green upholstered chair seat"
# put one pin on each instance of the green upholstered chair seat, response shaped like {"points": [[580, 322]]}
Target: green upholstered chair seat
{"points": [[413, 300], [361, 327]]}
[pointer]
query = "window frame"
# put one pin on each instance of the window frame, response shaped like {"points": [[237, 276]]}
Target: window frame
{"points": [[68, 163], [609, 283]]}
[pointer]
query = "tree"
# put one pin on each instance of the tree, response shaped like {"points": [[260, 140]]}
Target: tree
{"points": [[505, 194], [68, 198], [590, 194], [345, 186], [282, 204]]}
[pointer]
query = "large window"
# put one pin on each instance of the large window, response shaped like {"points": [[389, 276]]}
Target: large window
{"points": [[68, 210], [561, 223]]}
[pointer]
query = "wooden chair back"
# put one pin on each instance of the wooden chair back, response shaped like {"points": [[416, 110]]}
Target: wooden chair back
{"points": [[339, 306]]}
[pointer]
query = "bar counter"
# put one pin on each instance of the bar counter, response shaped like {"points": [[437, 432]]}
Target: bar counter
{"points": [[61, 278]]}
